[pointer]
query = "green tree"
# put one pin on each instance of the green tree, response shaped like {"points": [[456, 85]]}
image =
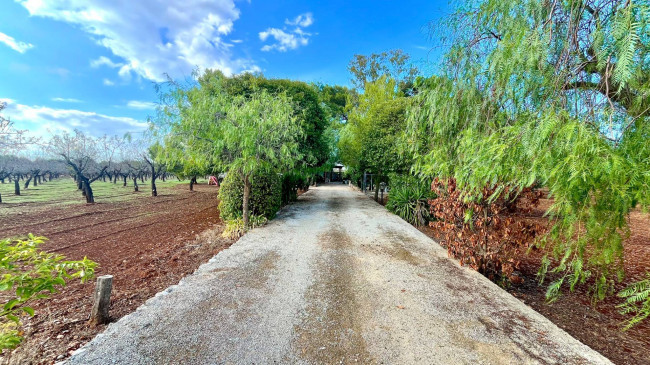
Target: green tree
{"points": [[369, 139], [553, 93], [336, 102], [237, 133], [393, 64], [312, 119]]}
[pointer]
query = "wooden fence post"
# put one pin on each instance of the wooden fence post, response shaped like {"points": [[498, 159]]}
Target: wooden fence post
{"points": [[101, 300]]}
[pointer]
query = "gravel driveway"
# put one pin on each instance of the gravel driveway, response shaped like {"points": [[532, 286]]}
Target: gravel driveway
{"points": [[334, 279]]}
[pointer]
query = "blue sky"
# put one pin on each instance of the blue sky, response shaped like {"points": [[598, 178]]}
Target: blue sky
{"points": [[91, 65]]}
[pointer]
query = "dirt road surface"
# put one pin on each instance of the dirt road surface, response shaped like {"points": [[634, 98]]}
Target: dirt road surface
{"points": [[334, 279]]}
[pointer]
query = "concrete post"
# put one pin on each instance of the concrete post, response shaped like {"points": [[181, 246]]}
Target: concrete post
{"points": [[101, 300]]}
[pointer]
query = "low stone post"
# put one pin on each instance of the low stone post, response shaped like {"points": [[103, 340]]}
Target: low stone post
{"points": [[101, 300]]}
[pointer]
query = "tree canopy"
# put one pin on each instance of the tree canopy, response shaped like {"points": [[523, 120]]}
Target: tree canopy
{"points": [[553, 94], [394, 64], [238, 132], [368, 140]]}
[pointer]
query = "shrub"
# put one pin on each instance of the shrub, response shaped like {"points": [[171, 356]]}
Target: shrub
{"points": [[291, 182], [409, 199], [265, 198], [28, 274], [479, 230]]}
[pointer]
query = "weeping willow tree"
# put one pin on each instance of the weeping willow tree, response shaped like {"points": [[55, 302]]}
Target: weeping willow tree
{"points": [[553, 93]]}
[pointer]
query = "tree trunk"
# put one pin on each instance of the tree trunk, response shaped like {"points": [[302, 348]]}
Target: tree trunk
{"points": [[16, 187], [192, 182], [377, 189], [0, 198], [28, 181], [135, 183], [247, 193], [125, 177], [35, 180], [154, 192], [90, 199]]}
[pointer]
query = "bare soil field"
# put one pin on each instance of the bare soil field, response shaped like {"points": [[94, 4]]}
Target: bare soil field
{"points": [[146, 243], [598, 326]]}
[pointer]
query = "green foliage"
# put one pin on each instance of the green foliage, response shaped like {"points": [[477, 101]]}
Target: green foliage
{"points": [[334, 100], [409, 199], [519, 103], [233, 126], [307, 109], [392, 64], [29, 274], [637, 301], [265, 199], [291, 182], [369, 139]]}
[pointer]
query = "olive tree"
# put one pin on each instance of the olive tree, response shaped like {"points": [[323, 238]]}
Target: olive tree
{"points": [[89, 157]]}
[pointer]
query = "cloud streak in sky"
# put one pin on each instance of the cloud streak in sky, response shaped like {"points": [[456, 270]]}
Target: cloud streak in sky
{"points": [[20, 47], [44, 121], [142, 105]]}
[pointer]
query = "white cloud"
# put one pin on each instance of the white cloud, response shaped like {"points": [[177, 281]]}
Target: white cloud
{"points": [[108, 82], [17, 46], [136, 104], [66, 100], [43, 121], [288, 39], [105, 61], [254, 69], [284, 41], [150, 38], [302, 20]]}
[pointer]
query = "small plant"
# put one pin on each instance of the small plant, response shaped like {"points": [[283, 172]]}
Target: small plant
{"points": [[29, 274], [235, 227], [637, 301], [409, 199]]}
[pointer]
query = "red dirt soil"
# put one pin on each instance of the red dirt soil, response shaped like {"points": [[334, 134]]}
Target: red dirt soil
{"points": [[146, 243], [599, 327]]}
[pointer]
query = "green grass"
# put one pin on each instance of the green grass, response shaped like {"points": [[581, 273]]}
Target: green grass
{"points": [[64, 192]]}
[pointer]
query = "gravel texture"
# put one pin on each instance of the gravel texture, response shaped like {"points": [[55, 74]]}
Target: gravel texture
{"points": [[334, 279]]}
